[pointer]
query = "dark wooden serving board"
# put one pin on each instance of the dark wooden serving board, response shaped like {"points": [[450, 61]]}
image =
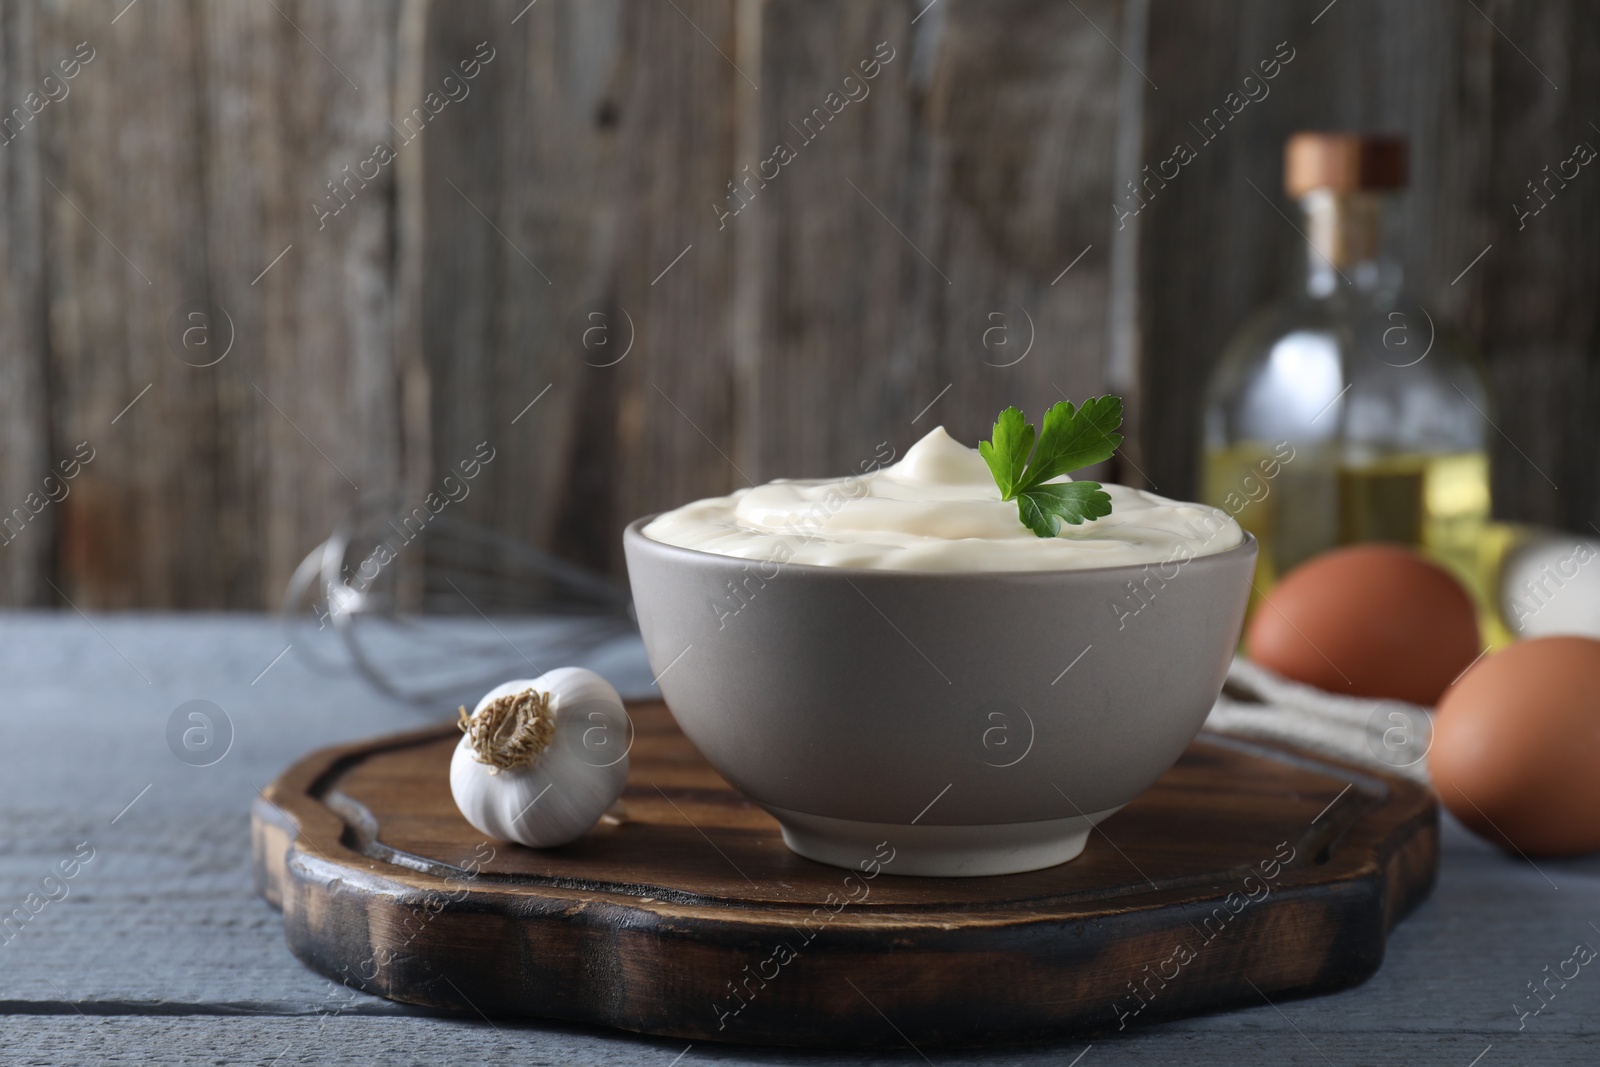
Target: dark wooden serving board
{"points": [[1247, 872]]}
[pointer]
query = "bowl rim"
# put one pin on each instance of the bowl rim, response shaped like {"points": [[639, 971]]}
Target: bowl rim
{"points": [[635, 531]]}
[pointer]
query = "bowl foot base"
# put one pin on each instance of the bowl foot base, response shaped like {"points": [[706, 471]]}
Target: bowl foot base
{"points": [[938, 851]]}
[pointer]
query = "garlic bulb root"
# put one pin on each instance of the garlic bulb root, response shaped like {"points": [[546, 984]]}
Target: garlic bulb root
{"points": [[511, 730]]}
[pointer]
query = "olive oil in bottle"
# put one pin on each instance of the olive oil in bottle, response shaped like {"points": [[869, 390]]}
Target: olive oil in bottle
{"points": [[1348, 412]]}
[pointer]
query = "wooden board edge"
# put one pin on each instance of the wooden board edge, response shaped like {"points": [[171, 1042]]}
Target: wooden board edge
{"points": [[1405, 847], [592, 963], [288, 811]]}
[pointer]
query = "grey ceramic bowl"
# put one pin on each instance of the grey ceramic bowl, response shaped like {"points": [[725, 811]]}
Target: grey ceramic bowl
{"points": [[966, 723]]}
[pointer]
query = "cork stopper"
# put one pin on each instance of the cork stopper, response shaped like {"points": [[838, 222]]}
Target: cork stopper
{"points": [[1343, 162]]}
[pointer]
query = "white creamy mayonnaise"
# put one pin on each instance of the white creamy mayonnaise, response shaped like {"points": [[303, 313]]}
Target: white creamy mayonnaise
{"points": [[938, 509]]}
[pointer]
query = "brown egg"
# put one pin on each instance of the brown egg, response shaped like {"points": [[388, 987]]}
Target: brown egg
{"points": [[1369, 620], [1516, 744]]}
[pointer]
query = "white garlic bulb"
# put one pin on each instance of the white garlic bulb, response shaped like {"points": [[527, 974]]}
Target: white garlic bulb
{"points": [[541, 759]]}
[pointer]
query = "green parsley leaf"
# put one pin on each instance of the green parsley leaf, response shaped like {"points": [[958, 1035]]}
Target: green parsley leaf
{"points": [[1076, 438], [1008, 454], [1073, 437], [1044, 508]]}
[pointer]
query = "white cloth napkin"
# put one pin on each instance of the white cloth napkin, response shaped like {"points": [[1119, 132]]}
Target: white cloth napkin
{"points": [[1386, 735]]}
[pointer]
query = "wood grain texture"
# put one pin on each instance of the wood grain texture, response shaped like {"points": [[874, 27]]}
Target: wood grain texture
{"points": [[1542, 326], [910, 259], [329, 399], [27, 557], [212, 486], [691, 919], [513, 242], [313, 418], [127, 234], [555, 210], [200, 1041]]}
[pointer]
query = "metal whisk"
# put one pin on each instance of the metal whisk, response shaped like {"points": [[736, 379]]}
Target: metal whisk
{"points": [[435, 614]]}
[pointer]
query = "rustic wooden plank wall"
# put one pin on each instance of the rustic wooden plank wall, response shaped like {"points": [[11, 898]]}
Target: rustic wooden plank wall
{"points": [[28, 556], [571, 200], [1542, 322], [183, 160], [988, 147]]}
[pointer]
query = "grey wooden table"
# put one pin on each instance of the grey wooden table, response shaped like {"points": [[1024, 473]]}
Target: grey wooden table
{"points": [[158, 950]]}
